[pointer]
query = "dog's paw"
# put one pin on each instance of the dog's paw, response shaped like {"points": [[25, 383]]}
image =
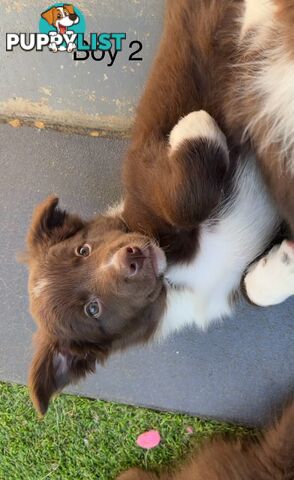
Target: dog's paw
{"points": [[53, 47], [71, 47], [270, 281], [197, 125]]}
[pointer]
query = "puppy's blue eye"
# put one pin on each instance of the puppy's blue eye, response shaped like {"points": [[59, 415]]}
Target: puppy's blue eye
{"points": [[93, 309]]}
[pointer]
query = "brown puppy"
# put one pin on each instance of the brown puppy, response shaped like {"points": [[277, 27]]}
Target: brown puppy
{"points": [[197, 205], [271, 457], [70, 344]]}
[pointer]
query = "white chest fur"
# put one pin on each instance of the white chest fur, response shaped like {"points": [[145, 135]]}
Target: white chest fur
{"points": [[244, 228], [256, 13], [277, 108], [271, 78]]}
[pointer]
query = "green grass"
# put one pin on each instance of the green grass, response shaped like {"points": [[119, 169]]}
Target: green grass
{"points": [[83, 439]]}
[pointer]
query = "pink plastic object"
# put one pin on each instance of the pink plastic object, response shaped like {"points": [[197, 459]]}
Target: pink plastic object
{"points": [[149, 439]]}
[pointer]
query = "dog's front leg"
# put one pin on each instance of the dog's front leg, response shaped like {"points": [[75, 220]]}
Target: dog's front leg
{"points": [[198, 161], [181, 180], [53, 47], [71, 47]]}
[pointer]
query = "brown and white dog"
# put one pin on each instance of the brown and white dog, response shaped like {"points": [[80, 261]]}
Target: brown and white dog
{"points": [[269, 457], [61, 18], [195, 214], [262, 110]]}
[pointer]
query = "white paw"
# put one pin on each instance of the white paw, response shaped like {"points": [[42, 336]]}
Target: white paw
{"points": [[71, 47], [53, 47], [270, 281], [196, 125]]}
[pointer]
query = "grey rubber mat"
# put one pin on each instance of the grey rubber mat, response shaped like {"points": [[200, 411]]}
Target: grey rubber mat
{"points": [[240, 370]]}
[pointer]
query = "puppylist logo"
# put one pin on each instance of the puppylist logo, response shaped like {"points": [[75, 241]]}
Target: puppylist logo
{"points": [[63, 24], [62, 28]]}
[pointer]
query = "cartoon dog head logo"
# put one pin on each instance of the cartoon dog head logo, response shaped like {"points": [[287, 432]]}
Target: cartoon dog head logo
{"points": [[61, 19]]}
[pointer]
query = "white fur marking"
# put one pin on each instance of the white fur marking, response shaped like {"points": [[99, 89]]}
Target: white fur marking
{"points": [[196, 125], [115, 210], [275, 85], [39, 287], [257, 12], [243, 230], [61, 10], [271, 80], [60, 364]]}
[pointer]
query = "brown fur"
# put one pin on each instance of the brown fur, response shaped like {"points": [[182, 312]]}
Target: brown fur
{"points": [[68, 342], [181, 81], [241, 107], [285, 15], [169, 212], [166, 197], [52, 15], [271, 457]]}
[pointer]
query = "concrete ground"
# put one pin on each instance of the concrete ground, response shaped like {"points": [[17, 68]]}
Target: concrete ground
{"points": [[56, 89], [240, 370]]}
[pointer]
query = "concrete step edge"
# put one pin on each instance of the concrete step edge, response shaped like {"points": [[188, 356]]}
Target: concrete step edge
{"points": [[94, 126]]}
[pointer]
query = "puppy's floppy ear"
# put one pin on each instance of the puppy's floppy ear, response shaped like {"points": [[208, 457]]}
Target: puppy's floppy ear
{"points": [[55, 366], [69, 8], [48, 15], [51, 225]]}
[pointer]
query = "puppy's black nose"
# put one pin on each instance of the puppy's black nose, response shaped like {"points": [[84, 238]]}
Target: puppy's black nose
{"points": [[134, 260], [73, 17]]}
